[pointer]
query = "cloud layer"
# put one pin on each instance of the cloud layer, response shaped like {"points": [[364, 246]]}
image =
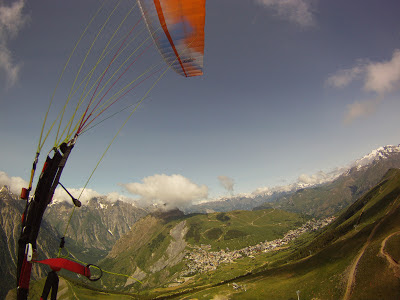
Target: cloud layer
{"points": [[304, 180], [317, 178], [12, 21], [174, 191], [296, 11], [60, 195], [378, 77], [15, 184]]}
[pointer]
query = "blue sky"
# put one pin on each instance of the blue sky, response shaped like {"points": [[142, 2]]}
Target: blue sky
{"points": [[291, 88]]}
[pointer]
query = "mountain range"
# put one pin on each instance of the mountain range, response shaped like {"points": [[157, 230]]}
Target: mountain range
{"points": [[331, 197], [11, 209], [332, 193], [104, 231], [92, 231], [262, 254]]}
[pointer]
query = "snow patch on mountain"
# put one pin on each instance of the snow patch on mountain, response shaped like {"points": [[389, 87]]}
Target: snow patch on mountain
{"points": [[303, 181], [380, 153], [5, 189], [321, 177]]}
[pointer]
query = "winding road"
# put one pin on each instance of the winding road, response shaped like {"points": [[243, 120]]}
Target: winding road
{"points": [[353, 268], [394, 265]]}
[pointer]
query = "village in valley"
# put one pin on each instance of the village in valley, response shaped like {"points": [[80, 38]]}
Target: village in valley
{"points": [[201, 259]]}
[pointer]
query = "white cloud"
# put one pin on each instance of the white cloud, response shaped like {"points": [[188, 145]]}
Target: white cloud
{"points": [[12, 20], [226, 182], [172, 191], [383, 77], [304, 180], [6, 64], [297, 11], [276, 189], [360, 109], [114, 196], [15, 184], [343, 78], [318, 178], [377, 77], [61, 195]]}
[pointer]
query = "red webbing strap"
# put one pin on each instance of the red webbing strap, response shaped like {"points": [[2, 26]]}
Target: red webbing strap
{"points": [[56, 264], [25, 275]]}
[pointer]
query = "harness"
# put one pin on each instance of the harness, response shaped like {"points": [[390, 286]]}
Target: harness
{"points": [[31, 220]]}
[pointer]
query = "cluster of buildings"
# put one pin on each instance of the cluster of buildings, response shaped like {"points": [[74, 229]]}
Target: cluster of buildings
{"points": [[201, 259]]}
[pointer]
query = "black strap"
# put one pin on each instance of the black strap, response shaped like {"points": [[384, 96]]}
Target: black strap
{"points": [[51, 284], [62, 242], [76, 202]]}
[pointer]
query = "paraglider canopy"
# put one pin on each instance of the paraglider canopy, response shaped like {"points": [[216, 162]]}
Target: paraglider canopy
{"points": [[181, 38]]}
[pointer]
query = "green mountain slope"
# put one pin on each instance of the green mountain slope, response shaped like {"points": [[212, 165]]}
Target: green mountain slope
{"points": [[355, 257], [154, 250], [330, 198]]}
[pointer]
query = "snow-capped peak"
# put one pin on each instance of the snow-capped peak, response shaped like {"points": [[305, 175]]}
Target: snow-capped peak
{"points": [[5, 189], [380, 153]]}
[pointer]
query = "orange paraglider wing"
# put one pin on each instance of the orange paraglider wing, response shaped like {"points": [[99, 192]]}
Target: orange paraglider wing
{"points": [[177, 27]]}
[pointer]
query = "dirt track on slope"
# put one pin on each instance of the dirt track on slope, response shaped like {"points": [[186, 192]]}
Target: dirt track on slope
{"points": [[353, 269], [394, 265]]}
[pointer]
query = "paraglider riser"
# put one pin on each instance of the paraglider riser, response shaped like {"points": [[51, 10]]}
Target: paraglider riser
{"points": [[34, 211]]}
